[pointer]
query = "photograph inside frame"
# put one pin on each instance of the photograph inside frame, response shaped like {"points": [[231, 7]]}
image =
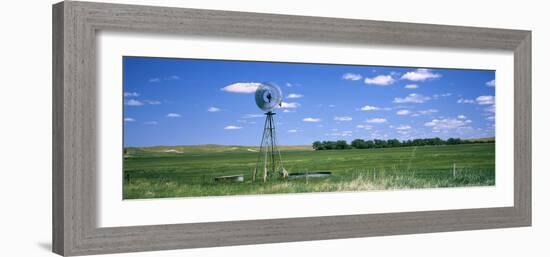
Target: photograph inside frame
{"points": [[198, 127]]}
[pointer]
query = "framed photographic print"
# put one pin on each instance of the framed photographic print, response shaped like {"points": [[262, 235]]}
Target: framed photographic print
{"points": [[213, 133], [181, 128]]}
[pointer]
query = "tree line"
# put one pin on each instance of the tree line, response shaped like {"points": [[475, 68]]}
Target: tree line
{"points": [[380, 143]]}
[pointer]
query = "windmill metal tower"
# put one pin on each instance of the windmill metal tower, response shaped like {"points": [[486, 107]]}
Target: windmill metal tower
{"points": [[268, 97]]}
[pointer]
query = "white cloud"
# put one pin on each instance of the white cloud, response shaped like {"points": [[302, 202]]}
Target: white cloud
{"points": [[128, 119], [352, 76], [443, 124], [293, 96], [490, 118], [134, 102], [377, 120], [213, 109], [420, 75], [288, 84], [331, 105], [362, 126], [287, 111], [342, 118], [367, 108], [490, 83], [490, 109], [426, 112], [250, 116], [242, 87], [437, 96], [155, 80], [346, 133], [173, 115], [232, 127], [285, 105], [465, 101], [131, 94], [412, 98], [151, 123], [246, 122], [311, 119], [380, 80], [403, 127], [152, 102], [411, 86], [294, 130], [403, 132], [461, 117], [403, 112], [485, 99]]}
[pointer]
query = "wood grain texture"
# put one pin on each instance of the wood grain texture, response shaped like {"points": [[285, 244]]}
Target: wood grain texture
{"points": [[58, 230], [522, 128], [75, 25]]}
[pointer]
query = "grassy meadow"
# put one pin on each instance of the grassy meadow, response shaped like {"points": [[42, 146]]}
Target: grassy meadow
{"points": [[189, 171]]}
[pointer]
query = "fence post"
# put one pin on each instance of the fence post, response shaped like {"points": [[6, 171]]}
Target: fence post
{"points": [[454, 170]]}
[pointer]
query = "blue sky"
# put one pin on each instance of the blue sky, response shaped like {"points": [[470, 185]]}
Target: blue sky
{"points": [[187, 102]]}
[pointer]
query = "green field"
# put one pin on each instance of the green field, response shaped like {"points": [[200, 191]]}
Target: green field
{"points": [[184, 171]]}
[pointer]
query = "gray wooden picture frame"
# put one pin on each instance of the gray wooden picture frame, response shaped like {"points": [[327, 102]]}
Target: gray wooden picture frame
{"points": [[75, 25]]}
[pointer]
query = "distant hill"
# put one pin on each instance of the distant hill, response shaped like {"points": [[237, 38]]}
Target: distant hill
{"points": [[215, 148], [481, 140], [209, 148]]}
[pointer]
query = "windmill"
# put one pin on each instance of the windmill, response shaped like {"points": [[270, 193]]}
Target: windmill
{"points": [[268, 97]]}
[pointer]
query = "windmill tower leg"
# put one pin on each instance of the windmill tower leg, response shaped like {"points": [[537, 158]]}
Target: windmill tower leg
{"points": [[268, 131], [266, 152], [284, 172], [269, 151], [262, 146], [272, 144], [276, 153]]}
